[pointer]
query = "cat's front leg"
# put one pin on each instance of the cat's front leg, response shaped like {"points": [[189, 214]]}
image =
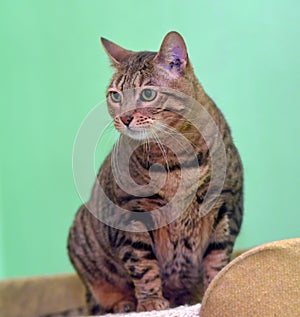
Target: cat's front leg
{"points": [[159, 303], [141, 264]]}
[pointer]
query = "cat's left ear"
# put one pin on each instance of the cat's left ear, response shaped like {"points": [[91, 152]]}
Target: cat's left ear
{"points": [[116, 53], [172, 54]]}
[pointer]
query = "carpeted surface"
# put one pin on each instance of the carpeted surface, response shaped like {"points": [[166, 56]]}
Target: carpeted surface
{"points": [[181, 311]]}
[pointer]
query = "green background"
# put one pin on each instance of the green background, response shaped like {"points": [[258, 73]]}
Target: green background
{"points": [[54, 71]]}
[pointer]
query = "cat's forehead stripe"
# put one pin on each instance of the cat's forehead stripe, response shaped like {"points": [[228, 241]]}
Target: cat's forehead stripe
{"points": [[138, 79], [119, 81]]}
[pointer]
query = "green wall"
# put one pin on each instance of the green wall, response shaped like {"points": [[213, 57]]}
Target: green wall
{"points": [[54, 71], [1, 233]]}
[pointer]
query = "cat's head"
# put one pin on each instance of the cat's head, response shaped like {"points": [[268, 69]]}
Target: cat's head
{"points": [[147, 88]]}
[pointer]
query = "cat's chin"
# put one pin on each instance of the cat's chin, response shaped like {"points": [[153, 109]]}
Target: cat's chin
{"points": [[138, 135]]}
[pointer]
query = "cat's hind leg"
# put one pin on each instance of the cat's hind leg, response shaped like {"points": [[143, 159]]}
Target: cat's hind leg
{"points": [[108, 298], [226, 228]]}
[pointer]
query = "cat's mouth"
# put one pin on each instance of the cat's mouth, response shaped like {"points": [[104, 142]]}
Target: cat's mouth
{"points": [[136, 126]]}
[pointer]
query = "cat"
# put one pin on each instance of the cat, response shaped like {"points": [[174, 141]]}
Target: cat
{"points": [[149, 257]]}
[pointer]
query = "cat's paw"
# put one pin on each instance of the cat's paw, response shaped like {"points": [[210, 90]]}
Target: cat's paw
{"points": [[124, 306], [153, 304]]}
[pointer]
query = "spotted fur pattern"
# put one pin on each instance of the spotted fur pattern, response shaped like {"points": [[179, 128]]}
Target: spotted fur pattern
{"points": [[172, 265]]}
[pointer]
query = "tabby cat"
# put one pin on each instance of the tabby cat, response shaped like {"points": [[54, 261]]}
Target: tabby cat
{"points": [[163, 259]]}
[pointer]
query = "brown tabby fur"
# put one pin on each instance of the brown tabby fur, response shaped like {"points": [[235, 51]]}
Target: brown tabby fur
{"points": [[172, 265]]}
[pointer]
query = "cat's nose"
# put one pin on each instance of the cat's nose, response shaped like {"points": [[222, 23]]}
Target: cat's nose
{"points": [[126, 119]]}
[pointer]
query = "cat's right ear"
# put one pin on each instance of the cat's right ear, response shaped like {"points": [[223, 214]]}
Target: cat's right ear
{"points": [[116, 53]]}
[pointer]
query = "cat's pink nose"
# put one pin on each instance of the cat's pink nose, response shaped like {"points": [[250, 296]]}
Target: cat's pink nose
{"points": [[126, 119]]}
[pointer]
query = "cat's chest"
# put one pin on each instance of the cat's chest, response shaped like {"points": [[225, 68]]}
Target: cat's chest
{"points": [[179, 248]]}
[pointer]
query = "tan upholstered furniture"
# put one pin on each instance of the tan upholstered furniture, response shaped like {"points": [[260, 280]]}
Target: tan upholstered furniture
{"points": [[262, 282], [37, 296]]}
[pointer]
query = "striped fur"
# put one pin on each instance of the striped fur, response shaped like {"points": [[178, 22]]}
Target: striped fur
{"points": [[172, 265]]}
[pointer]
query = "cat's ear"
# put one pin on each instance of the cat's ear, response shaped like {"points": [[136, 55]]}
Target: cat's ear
{"points": [[116, 53], [172, 54]]}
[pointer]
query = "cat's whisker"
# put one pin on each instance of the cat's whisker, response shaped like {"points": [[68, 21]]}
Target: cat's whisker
{"points": [[108, 137], [144, 137], [173, 132], [147, 149], [109, 127], [162, 149], [116, 161], [170, 129], [108, 130], [145, 144]]}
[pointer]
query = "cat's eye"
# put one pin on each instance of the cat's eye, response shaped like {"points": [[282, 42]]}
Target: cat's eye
{"points": [[115, 96], [148, 94]]}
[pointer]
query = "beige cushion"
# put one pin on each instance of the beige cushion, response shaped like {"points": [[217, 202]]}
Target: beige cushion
{"points": [[36, 296], [264, 281]]}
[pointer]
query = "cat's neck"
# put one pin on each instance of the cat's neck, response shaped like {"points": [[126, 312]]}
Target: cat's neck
{"points": [[166, 151]]}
